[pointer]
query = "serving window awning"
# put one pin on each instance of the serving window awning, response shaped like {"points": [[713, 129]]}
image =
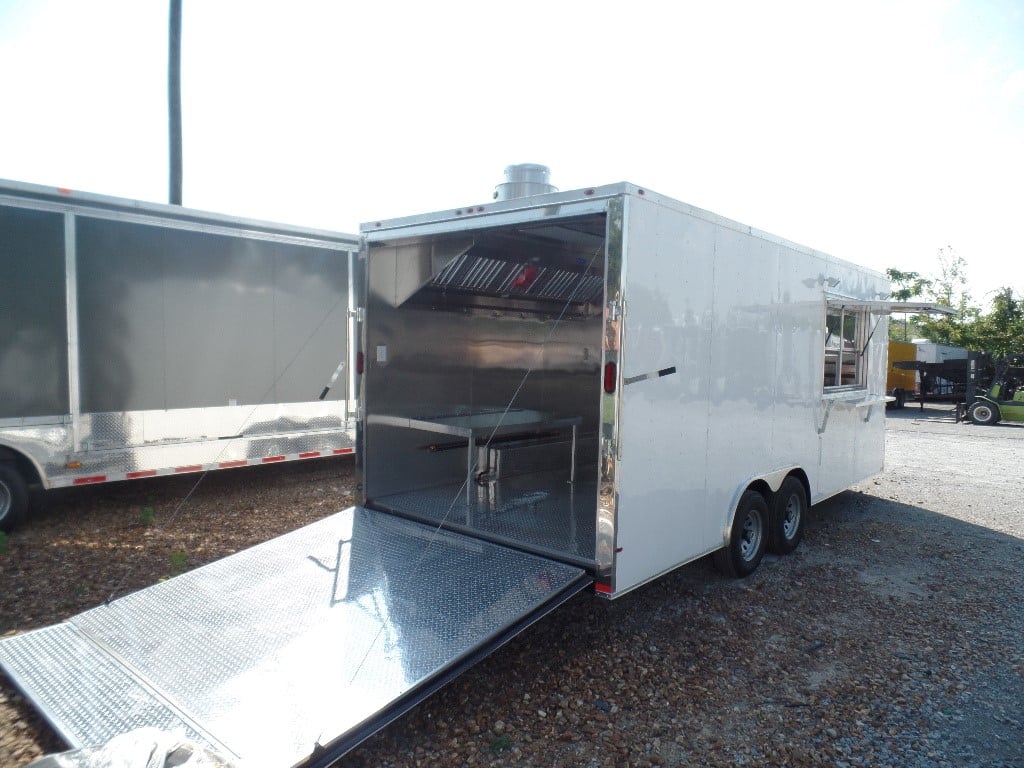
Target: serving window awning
{"points": [[880, 307]]}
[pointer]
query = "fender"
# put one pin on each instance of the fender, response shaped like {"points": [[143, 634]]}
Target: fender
{"points": [[25, 462], [773, 481]]}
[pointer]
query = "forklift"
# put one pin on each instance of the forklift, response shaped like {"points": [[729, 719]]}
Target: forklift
{"points": [[1004, 399]]}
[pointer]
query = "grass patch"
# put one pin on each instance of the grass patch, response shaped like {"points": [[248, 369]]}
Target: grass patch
{"points": [[179, 563], [501, 744]]}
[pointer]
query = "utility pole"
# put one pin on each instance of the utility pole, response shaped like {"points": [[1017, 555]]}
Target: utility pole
{"points": [[174, 101]]}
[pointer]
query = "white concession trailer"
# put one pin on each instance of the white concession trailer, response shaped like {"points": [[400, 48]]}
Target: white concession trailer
{"points": [[570, 389], [139, 339]]}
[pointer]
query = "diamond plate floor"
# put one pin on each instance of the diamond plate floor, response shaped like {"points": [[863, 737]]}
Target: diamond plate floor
{"points": [[293, 643], [541, 510]]}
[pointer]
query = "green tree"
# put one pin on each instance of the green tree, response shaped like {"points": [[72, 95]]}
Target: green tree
{"points": [[1000, 332], [950, 290], [909, 285]]}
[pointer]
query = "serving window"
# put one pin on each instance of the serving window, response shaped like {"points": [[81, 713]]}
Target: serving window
{"points": [[847, 332]]}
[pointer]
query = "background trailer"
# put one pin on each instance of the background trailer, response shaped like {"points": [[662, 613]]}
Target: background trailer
{"points": [[590, 387], [140, 339]]}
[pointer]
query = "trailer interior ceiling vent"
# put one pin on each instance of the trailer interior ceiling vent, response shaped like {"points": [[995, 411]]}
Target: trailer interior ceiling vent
{"points": [[541, 264], [537, 267], [524, 180]]}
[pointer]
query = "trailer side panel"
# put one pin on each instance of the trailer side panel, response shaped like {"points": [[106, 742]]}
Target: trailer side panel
{"points": [[139, 340], [178, 319], [33, 324], [723, 360]]}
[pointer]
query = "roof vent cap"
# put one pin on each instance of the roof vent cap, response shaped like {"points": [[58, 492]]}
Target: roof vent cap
{"points": [[524, 180]]}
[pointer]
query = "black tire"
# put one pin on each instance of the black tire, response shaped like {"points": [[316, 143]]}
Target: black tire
{"points": [[13, 497], [741, 556], [787, 517], [983, 413]]}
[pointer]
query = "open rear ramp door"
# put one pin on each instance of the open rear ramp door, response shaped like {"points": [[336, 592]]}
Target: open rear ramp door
{"points": [[294, 651]]}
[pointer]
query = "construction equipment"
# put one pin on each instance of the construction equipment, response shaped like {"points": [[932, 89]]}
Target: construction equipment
{"points": [[1004, 399]]}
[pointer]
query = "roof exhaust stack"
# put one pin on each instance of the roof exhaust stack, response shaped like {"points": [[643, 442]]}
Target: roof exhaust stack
{"points": [[524, 180]]}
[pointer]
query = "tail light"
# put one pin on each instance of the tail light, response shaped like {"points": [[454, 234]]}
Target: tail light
{"points": [[610, 377], [360, 363]]}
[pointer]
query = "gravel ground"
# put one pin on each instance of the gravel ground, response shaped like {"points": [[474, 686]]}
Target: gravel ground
{"points": [[894, 636]]}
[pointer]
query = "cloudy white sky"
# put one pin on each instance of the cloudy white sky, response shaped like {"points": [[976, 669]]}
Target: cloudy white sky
{"points": [[876, 131]]}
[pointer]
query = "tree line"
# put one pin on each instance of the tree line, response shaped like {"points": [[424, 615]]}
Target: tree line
{"points": [[999, 332]]}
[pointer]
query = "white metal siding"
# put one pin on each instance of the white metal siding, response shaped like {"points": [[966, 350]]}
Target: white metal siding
{"points": [[663, 471], [740, 316]]}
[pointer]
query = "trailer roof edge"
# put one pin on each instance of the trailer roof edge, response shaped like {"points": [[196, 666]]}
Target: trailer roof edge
{"points": [[481, 211], [76, 198]]}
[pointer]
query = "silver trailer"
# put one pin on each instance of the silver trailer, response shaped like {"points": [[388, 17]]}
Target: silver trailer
{"points": [[581, 388], [139, 340]]}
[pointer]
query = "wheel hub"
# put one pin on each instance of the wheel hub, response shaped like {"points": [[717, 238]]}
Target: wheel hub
{"points": [[791, 522], [751, 539]]}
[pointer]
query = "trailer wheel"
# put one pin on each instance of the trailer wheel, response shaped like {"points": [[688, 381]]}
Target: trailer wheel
{"points": [[741, 556], [787, 518], [13, 497], [983, 413]]}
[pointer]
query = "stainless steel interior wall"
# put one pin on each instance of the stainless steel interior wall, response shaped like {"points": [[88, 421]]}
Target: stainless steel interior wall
{"points": [[424, 362], [174, 318], [33, 318]]}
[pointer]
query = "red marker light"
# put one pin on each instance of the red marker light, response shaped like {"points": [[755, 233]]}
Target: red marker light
{"points": [[360, 362], [610, 377]]}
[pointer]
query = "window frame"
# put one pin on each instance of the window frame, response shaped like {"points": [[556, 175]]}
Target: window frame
{"points": [[866, 309], [845, 311]]}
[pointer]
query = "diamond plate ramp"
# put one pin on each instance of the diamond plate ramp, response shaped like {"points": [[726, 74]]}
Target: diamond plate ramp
{"points": [[318, 637]]}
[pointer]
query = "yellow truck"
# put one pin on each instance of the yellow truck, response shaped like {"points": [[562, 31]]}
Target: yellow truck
{"points": [[901, 384]]}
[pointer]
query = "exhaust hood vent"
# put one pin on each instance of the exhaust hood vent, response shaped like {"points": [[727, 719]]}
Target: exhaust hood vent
{"points": [[494, 277], [541, 267]]}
